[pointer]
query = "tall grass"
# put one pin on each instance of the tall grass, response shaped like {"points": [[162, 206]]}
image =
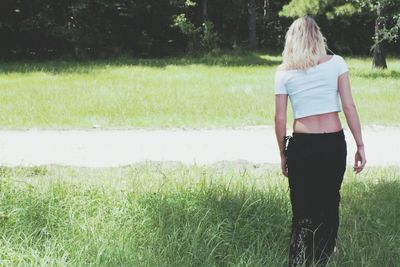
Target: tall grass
{"points": [[177, 215], [221, 90]]}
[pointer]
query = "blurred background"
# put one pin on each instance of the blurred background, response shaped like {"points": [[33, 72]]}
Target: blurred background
{"points": [[153, 28]]}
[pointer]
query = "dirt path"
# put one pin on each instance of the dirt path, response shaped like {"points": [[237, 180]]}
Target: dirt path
{"points": [[104, 148]]}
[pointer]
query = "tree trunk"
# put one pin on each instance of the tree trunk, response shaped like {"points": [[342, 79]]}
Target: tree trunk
{"points": [[205, 11], [190, 46], [252, 24], [265, 32], [379, 60], [194, 45], [265, 6]]}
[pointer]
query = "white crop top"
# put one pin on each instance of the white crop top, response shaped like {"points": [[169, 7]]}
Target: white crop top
{"points": [[312, 91]]}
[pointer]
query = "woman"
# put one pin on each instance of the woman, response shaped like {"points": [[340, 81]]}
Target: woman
{"points": [[315, 158]]}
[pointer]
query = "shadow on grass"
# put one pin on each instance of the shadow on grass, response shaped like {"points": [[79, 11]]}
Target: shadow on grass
{"points": [[207, 225], [390, 74], [370, 225], [225, 59], [220, 227]]}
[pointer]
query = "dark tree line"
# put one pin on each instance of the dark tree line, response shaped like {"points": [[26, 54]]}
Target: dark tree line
{"points": [[103, 28]]}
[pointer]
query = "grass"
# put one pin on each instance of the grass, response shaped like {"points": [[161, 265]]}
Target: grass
{"points": [[178, 215], [226, 90]]}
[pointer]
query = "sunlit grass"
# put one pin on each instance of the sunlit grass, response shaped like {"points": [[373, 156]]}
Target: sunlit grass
{"points": [[177, 215], [210, 91]]}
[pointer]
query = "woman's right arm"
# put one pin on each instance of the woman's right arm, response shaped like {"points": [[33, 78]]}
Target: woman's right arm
{"points": [[352, 118], [280, 127]]}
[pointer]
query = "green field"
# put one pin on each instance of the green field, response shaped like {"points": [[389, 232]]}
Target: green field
{"points": [[176, 215], [209, 91], [164, 214]]}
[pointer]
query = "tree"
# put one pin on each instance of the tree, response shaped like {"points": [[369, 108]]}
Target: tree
{"points": [[387, 26], [203, 36], [252, 24], [379, 55], [189, 29]]}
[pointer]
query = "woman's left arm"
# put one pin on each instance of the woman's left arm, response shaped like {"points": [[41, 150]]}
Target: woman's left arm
{"points": [[280, 126]]}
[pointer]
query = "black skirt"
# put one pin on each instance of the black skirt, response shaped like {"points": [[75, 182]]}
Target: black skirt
{"points": [[316, 164]]}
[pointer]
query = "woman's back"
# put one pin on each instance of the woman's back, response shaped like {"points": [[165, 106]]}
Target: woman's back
{"points": [[323, 123], [314, 94]]}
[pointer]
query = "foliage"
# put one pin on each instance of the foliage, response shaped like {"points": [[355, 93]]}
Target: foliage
{"points": [[297, 8], [185, 25], [346, 9], [339, 9], [209, 38], [101, 28], [389, 17]]}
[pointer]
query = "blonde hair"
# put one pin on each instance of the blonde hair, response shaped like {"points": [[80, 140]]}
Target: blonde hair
{"points": [[304, 44]]}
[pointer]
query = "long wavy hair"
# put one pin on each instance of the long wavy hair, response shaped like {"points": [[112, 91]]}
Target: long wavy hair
{"points": [[304, 44]]}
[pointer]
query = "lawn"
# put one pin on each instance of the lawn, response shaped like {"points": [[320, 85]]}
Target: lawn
{"points": [[155, 214], [226, 90]]}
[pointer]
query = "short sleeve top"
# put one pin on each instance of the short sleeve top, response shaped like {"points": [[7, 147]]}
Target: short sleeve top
{"points": [[312, 91]]}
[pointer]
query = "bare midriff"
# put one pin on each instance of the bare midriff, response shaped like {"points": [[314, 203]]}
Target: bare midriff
{"points": [[321, 123]]}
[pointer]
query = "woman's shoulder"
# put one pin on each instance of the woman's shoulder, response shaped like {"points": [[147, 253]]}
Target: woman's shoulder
{"points": [[341, 65], [339, 58], [281, 67]]}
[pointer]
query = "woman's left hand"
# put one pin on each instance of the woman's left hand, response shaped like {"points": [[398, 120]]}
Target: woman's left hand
{"points": [[359, 160]]}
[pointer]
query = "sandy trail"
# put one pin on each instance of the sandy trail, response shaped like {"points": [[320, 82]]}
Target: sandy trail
{"points": [[106, 148]]}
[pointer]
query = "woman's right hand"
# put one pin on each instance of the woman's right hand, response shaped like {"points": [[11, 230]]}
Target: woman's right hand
{"points": [[284, 168], [359, 160]]}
